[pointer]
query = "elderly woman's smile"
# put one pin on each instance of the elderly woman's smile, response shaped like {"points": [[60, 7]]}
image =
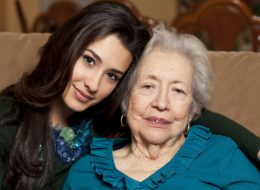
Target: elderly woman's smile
{"points": [[158, 121], [161, 98]]}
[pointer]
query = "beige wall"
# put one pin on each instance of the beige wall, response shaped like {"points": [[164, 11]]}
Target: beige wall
{"points": [[31, 9], [161, 10], [2, 15]]}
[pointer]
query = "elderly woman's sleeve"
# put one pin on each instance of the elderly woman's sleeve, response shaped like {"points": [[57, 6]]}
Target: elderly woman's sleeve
{"points": [[248, 142], [237, 172], [83, 176], [78, 177]]}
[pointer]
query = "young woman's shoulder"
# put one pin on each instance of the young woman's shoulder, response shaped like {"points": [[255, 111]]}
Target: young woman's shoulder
{"points": [[6, 105], [7, 132]]}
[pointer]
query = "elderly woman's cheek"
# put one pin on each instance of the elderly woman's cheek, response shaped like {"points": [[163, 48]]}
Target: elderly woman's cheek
{"points": [[180, 107], [136, 109], [135, 105]]}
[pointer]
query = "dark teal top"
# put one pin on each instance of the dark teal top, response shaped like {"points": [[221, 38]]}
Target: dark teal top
{"points": [[204, 161]]}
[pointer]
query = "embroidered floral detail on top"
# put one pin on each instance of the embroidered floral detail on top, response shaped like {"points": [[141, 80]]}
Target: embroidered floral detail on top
{"points": [[72, 149]]}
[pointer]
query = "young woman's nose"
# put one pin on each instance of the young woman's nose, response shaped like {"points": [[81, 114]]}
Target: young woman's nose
{"points": [[93, 82], [162, 101]]}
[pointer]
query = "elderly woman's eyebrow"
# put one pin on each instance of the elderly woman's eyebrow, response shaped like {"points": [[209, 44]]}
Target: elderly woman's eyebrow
{"points": [[178, 81], [153, 77]]}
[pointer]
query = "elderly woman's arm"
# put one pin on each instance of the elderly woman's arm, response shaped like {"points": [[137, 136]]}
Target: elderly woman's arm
{"points": [[248, 142]]}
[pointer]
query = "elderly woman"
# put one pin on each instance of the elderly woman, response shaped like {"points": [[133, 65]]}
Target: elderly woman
{"points": [[170, 87]]}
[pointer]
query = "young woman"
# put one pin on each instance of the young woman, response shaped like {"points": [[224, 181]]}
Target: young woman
{"points": [[83, 67]]}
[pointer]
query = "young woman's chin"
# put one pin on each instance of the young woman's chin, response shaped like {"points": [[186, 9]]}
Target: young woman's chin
{"points": [[77, 106]]}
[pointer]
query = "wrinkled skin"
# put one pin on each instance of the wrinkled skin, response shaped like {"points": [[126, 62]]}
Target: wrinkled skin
{"points": [[162, 90]]}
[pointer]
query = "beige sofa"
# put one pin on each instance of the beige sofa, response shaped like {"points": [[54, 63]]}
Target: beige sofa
{"points": [[236, 92]]}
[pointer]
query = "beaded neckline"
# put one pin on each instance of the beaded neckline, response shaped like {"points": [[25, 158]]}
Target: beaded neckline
{"points": [[80, 145]]}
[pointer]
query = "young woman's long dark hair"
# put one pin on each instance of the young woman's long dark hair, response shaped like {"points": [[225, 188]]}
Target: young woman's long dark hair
{"points": [[34, 94]]}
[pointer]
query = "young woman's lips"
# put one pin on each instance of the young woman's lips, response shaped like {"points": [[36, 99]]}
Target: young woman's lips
{"points": [[157, 121], [81, 95]]}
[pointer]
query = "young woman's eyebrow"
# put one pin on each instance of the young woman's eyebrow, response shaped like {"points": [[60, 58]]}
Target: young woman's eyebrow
{"points": [[95, 55], [117, 71]]}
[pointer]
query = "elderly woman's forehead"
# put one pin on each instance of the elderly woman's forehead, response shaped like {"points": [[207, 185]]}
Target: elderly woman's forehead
{"points": [[165, 54]]}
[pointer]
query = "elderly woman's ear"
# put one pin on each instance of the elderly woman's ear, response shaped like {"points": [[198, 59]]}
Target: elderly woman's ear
{"points": [[191, 115], [123, 112]]}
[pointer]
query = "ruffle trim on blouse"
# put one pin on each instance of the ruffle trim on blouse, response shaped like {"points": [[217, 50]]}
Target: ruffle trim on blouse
{"points": [[102, 160]]}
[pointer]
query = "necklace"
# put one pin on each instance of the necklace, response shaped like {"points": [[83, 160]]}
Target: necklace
{"points": [[173, 150], [70, 142]]}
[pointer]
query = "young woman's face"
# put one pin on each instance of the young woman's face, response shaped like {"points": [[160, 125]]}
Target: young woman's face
{"points": [[96, 73]]}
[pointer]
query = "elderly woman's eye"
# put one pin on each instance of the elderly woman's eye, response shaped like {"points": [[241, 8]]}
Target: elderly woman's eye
{"points": [[178, 91], [147, 86], [89, 60]]}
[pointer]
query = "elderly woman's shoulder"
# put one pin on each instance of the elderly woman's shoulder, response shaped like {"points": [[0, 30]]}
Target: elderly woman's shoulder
{"points": [[82, 164], [220, 141], [212, 142], [224, 150]]}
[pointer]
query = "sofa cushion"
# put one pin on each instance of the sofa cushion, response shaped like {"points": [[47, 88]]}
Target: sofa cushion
{"points": [[236, 92]]}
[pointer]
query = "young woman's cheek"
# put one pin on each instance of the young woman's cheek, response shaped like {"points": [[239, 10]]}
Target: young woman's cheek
{"points": [[106, 88]]}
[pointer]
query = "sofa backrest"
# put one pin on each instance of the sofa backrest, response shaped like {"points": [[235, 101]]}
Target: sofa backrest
{"points": [[236, 92], [19, 54], [236, 87]]}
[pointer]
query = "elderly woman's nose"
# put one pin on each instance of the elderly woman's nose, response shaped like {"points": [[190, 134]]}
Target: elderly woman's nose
{"points": [[162, 101]]}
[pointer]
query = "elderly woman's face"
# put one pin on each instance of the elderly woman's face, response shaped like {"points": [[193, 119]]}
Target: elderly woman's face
{"points": [[160, 100]]}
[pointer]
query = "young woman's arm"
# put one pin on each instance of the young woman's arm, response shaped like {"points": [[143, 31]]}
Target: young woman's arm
{"points": [[248, 142]]}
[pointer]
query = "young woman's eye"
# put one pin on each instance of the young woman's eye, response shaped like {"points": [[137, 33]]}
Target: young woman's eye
{"points": [[112, 76], [89, 60]]}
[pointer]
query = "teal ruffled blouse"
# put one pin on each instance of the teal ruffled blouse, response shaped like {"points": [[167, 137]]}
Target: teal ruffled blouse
{"points": [[205, 161]]}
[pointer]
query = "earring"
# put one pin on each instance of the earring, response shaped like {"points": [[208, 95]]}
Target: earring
{"points": [[187, 130], [121, 121]]}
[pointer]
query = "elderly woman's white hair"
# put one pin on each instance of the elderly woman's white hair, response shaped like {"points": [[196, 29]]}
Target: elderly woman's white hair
{"points": [[190, 47]]}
